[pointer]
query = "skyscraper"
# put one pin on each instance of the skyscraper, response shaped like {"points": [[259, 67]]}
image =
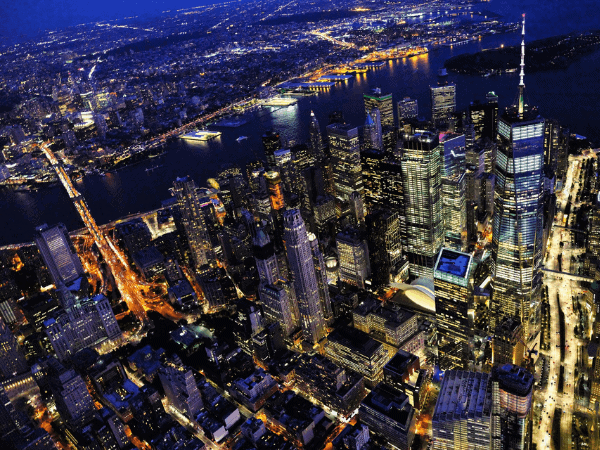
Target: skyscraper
{"points": [[73, 400], [371, 164], [354, 257], [408, 109], [443, 102], [181, 388], [275, 190], [385, 245], [302, 270], [321, 272], [12, 360], [58, 253], [372, 130], [454, 200], [265, 258], [512, 393], [192, 216], [316, 139], [271, 142], [345, 154], [279, 305], [518, 214], [384, 103], [420, 164], [454, 308]]}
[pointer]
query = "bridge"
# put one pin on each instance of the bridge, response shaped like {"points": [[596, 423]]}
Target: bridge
{"points": [[569, 275]]}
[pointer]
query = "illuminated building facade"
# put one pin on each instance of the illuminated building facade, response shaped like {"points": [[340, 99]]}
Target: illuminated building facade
{"points": [[271, 143], [302, 271], [12, 360], [275, 190], [279, 305], [421, 166], [316, 139], [408, 109], [345, 154], [372, 130], [58, 253], [181, 388], [353, 257], [385, 105], [443, 102], [454, 308], [385, 244], [454, 199], [507, 345], [462, 416], [321, 273], [264, 256], [188, 200], [371, 164]]}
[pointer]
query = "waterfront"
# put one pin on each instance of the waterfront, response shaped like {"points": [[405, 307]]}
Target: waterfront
{"points": [[563, 95]]}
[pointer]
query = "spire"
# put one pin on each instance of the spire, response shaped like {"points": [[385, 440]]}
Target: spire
{"points": [[522, 74]]}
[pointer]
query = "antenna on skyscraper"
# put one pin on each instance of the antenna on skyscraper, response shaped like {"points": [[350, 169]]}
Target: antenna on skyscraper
{"points": [[522, 74]]}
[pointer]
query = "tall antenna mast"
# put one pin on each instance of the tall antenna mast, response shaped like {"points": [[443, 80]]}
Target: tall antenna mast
{"points": [[522, 74]]}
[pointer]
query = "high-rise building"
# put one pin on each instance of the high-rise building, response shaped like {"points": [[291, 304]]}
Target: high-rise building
{"points": [[275, 190], [408, 109], [271, 142], [371, 164], [58, 253], [12, 360], [345, 154], [321, 272], [353, 257], [454, 308], [265, 258], [72, 398], [518, 214], [279, 305], [512, 393], [421, 166], [484, 117], [462, 415], [316, 139], [384, 103], [443, 102], [181, 388], [385, 244], [357, 209], [454, 198], [372, 130], [302, 271], [192, 216], [507, 344]]}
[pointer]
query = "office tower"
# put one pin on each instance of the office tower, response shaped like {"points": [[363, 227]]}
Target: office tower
{"points": [[275, 190], [254, 172], [188, 200], [180, 388], [385, 245], [454, 308], [353, 256], [85, 323], [357, 351], [372, 130], [443, 102], [271, 142], [512, 392], [265, 258], [484, 117], [408, 109], [404, 373], [12, 360], [454, 198], [518, 214], [58, 253], [421, 165], [507, 344], [384, 103], [316, 139], [321, 273], [556, 148], [279, 305], [302, 271], [72, 398], [371, 164], [491, 97], [387, 411], [345, 159], [357, 209], [595, 381], [10, 420], [462, 415]]}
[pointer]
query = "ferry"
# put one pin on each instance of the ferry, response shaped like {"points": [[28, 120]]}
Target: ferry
{"points": [[201, 135], [241, 138]]}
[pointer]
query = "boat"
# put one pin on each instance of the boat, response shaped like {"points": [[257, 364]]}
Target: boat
{"points": [[201, 135], [241, 138]]}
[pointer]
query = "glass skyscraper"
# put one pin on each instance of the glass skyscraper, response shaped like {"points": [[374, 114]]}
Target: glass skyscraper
{"points": [[454, 200]]}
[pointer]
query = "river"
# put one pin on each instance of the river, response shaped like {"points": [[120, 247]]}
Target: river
{"points": [[571, 96]]}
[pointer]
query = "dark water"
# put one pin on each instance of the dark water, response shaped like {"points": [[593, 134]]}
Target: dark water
{"points": [[572, 96]]}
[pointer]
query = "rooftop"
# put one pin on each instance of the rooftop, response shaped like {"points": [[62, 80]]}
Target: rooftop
{"points": [[453, 263]]}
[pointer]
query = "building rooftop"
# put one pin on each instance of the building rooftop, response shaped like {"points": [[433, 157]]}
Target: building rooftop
{"points": [[463, 395], [356, 340], [514, 379], [453, 263]]}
